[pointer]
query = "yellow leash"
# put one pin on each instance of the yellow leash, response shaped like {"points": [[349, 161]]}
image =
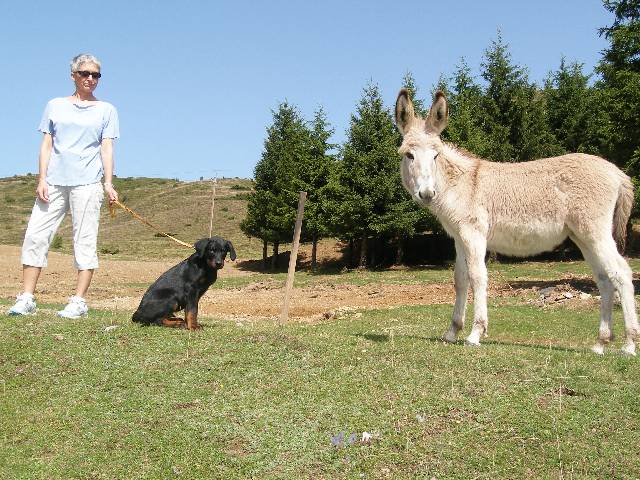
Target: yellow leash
{"points": [[112, 211]]}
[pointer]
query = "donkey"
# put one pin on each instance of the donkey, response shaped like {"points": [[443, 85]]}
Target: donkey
{"points": [[518, 209]]}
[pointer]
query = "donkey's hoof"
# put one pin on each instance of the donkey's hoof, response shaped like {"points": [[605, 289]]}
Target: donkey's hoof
{"points": [[472, 342], [629, 349], [598, 349], [449, 337]]}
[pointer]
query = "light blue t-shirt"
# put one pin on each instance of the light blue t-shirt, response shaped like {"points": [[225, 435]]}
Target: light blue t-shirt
{"points": [[77, 132]]}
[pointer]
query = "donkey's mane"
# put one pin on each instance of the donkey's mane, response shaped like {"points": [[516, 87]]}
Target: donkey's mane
{"points": [[464, 151]]}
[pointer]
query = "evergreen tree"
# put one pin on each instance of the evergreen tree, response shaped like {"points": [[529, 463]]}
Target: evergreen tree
{"points": [[366, 184], [515, 123], [571, 115], [534, 138], [409, 83], [313, 177], [620, 86], [503, 79], [466, 113], [272, 206]]}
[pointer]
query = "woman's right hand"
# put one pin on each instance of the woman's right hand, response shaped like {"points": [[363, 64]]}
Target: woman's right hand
{"points": [[42, 191]]}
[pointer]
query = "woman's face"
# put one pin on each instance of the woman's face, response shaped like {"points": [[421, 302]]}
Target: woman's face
{"points": [[86, 78]]}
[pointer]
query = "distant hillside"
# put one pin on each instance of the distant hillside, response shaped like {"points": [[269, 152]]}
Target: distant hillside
{"points": [[181, 209]]}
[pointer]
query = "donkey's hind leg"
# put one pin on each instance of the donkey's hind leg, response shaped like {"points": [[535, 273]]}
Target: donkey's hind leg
{"points": [[606, 288], [461, 283], [611, 268]]}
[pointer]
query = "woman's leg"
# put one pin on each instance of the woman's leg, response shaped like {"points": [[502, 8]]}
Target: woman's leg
{"points": [[30, 277], [84, 280], [85, 202], [43, 224]]}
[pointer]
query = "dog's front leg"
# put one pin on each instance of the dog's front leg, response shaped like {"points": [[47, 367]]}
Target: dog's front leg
{"points": [[191, 312], [173, 322]]}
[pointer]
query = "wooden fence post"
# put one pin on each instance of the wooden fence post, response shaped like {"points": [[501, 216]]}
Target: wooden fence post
{"points": [[284, 316], [213, 202]]}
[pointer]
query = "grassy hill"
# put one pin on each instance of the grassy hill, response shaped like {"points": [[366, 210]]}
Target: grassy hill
{"points": [[181, 209]]}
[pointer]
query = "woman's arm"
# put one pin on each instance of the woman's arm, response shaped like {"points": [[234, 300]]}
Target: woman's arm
{"points": [[106, 151], [42, 190]]}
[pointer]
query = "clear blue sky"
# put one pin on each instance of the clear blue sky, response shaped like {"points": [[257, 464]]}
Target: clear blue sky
{"points": [[195, 82]]}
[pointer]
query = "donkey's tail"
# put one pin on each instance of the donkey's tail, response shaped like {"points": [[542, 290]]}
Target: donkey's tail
{"points": [[622, 212]]}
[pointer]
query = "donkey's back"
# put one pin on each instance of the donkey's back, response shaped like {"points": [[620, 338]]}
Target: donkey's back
{"points": [[531, 207]]}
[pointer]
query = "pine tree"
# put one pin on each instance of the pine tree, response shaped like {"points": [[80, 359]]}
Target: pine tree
{"points": [[503, 80], [466, 113], [409, 83], [366, 184], [271, 209], [515, 123], [312, 176], [620, 86], [571, 115]]}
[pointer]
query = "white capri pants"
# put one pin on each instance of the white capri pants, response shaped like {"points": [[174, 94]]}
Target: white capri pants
{"points": [[84, 202]]}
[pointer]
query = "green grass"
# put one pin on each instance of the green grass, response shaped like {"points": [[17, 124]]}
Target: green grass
{"points": [[258, 400]]}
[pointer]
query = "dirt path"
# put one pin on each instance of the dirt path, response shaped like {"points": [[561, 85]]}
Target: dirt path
{"points": [[119, 285]]}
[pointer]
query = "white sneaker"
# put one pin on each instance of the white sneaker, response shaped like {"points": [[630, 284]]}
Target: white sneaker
{"points": [[25, 305], [76, 308]]}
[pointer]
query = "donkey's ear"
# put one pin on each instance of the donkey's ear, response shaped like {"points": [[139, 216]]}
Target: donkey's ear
{"points": [[438, 117], [231, 250], [404, 111], [201, 247]]}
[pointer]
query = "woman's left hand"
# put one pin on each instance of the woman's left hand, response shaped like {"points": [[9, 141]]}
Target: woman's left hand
{"points": [[111, 193]]}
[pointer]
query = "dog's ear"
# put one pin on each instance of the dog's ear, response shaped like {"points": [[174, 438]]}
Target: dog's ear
{"points": [[201, 247], [231, 250]]}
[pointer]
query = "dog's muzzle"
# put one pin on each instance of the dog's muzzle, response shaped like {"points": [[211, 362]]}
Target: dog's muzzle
{"points": [[216, 265]]}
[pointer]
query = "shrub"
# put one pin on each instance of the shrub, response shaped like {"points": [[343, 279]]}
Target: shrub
{"points": [[56, 243]]}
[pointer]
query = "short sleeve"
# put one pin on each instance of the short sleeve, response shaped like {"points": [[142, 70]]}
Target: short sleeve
{"points": [[111, 126], [46, 125]]}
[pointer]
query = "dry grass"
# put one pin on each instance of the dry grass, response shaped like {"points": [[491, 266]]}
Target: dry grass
{"points": [[179, 208]]}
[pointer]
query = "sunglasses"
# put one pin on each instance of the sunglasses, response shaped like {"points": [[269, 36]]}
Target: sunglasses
{"points": [[86, 74]]}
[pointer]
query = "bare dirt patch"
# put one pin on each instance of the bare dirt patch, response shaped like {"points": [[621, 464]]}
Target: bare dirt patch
{"points": [[119, 285]]}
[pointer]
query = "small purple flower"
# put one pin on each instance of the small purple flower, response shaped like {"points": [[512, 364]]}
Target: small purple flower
{"points": [[338, 440]]}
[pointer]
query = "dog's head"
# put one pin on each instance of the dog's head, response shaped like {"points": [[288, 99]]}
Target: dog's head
{"points": [[214, 250]]}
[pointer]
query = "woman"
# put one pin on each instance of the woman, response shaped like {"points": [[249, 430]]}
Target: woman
{"points": [[76, 152]]}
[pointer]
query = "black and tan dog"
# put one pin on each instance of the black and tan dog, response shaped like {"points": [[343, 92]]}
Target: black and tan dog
{"points": [[181, 287]]}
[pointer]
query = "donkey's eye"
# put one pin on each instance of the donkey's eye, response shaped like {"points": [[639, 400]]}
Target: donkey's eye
{"points": [[409, 155], [436, 156]]}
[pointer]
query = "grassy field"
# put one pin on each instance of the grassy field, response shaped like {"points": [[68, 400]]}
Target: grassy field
{"points": [[81, 399], [369, 393]]}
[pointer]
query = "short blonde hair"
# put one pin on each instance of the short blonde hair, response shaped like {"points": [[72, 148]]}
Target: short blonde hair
{"points": [[83, 58]]}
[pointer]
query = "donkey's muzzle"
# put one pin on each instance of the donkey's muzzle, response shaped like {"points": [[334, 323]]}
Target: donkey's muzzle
{"points": [[426, 194]]}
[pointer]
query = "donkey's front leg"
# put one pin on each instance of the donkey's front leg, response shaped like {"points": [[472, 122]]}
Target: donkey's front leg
{"points": [[461, 283], [475, 248]]}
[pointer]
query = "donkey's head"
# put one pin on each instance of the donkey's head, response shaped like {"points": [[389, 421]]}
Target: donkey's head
{"points": [[421, 144]]}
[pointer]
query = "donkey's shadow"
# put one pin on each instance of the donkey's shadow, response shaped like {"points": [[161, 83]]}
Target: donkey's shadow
{"points": [[586, 285], [382, 338]]}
